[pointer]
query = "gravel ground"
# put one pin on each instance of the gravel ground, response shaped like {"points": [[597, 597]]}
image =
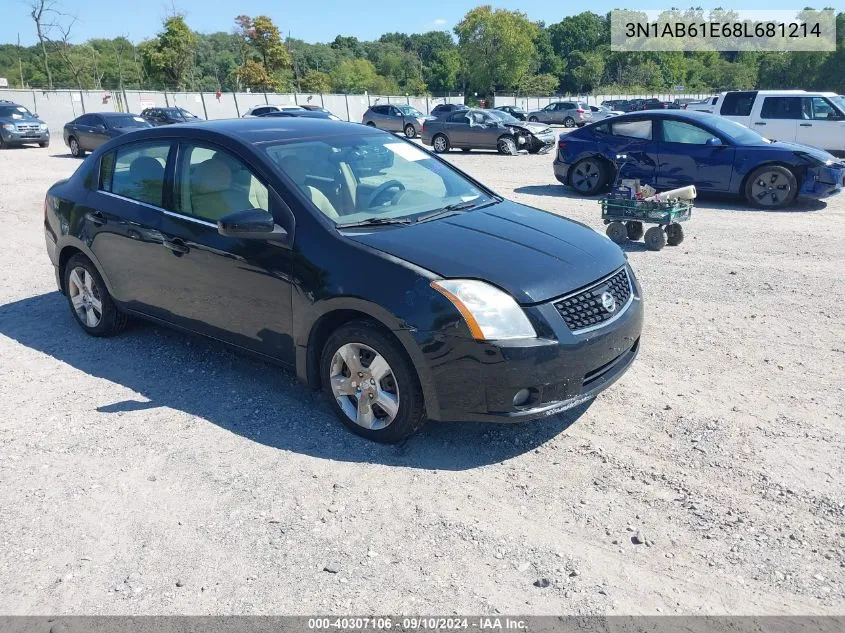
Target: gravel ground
{"points": [[158, 473]]}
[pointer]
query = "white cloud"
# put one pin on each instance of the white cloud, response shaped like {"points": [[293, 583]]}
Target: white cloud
{"points": [[439, 22]]}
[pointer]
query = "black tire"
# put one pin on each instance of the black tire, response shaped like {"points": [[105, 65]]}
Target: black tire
{"points": [[617, 233], [44, 144], [771, 187], [655, 238], [411, 412], [441, 146], [569, 122], [75, 150], [3, 143], [674, 234], [370, 124], [410, 131], [533, 119], [634, 230], [466, 150], [588, 176], [507, 145], [111, 320]]}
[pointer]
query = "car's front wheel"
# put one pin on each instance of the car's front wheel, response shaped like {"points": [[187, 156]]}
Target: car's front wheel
{"points": [[771, 187], [372, 386], [440, 143], [75, 150], [588, 176], [44, 144], [89, 299], [507, 146], [533, 119]]}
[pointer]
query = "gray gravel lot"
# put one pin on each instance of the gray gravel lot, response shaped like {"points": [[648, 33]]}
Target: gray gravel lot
{"points": [[158, 473]]}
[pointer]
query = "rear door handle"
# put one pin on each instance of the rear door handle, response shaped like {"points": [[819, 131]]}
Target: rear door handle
{"points": [[96, 218], [176, 245]]}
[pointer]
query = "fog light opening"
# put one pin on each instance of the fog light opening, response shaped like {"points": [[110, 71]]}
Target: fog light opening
{"points": [[521, 397]]}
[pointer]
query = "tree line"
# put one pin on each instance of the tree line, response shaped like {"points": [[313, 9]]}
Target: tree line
{"points": [[489, 50]]}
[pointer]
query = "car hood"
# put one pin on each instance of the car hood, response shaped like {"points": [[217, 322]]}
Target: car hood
{"points": [[815, 152], [534, 128], [26, 119], [534, 255]]}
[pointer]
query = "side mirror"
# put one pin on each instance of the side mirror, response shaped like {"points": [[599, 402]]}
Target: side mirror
{"points": [[714, 142], [252, 224]]}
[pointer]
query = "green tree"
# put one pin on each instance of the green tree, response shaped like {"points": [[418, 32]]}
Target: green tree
{"points": [[444, 70], [316, 81], [496, 46], [541, 85], [354, 76], [169, 57], [262, 43]]}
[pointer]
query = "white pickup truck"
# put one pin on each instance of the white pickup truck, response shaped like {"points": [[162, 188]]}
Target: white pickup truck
{"points": [[705, 105], [811, 118]]}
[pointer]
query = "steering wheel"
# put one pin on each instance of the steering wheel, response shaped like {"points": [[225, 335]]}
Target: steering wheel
{"points": [[384, 188]]}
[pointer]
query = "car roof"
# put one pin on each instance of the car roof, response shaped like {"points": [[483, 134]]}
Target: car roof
{"points": [[110, 114], [260, 129], [691, 115]]}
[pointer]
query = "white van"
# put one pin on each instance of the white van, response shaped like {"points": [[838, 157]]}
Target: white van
{"points": [[812, 118]]}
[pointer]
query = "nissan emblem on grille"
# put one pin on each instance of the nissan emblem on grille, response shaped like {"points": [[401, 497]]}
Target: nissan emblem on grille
{"points": [[592, 307]]}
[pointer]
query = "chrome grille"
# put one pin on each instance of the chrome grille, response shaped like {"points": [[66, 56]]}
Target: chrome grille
{"points": [[585, 309]]}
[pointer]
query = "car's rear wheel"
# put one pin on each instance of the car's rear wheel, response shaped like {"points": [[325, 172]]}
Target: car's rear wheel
{"points": [[588, 176], [370, 124], [533, 119], [617, 233], [440, 143], [372, 386], [634, 230], [507, 146], [569, 122], [771, 187], [75, 150], [410, 131], [89, 299]]}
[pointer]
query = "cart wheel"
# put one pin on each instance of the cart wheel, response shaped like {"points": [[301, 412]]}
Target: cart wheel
{"points": [[655, 238], [635, 230], [616, 232], [674, 234]]}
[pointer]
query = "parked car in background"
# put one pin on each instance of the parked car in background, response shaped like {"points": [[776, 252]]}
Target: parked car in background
{"points": [[682, 102], [264, 109], [674, 148], [620, 105], [316, 108], [378, 272], [399, 117], [447, 108], [705, 105], [487, 129], [301, 113], [87, 132], [653, 104], [568, 113], [168, 116], [603, 112], [515, 111], [19, 126], [812, 118]]}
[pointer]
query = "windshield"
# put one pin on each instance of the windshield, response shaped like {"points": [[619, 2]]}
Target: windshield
{"points": [[502, 116], [355, 178], [14, 112], [409, 110], [126, 121], [839, 102], [180, 112], [736, 131]]}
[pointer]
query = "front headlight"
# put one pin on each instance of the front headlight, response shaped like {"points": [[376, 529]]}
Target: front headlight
{"points": [[43, 126], [9, 127], [490, 313]]}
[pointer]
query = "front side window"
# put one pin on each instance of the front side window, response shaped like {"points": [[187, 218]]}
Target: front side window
{"points": [[354, 178], [782, 108], [680, 132], [136, 172], [818, 109], [211, 183], [633, 129], [409, 110]]}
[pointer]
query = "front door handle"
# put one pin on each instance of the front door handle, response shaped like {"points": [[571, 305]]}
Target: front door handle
{"points": [[759, 123], [96, 218], [177, 246], [806, 124]]}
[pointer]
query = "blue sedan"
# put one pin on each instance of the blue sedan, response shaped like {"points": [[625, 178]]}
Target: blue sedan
{"points": [[677, 148]]}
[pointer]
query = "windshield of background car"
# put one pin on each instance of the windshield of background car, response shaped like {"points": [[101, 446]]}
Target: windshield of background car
{"points": [[409, 110], [502, 116], [354, 178], [737, 132], [179, 112], [126, 121], [839, 102], [14, 112]]}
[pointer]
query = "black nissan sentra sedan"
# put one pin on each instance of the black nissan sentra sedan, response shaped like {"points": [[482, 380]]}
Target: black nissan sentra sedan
{"points": [[402, 287]]}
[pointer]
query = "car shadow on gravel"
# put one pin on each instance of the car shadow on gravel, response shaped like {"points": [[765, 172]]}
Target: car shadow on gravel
{"points": [[251, 398]]}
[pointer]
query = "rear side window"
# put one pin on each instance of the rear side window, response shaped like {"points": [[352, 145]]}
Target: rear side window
{"points": [[781, 108], [633, 129], [738, 103], [136, 172]]}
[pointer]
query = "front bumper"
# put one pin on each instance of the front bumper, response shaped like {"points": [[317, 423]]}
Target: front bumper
{"points": [[821, 182], [477, 380], [20, 138]]}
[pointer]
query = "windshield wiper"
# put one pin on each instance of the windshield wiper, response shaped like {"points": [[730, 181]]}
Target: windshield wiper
{"points": [[458, 206], [374, 222]]}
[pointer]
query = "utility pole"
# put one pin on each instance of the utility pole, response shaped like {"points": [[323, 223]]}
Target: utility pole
{"points": [[20, 63]]}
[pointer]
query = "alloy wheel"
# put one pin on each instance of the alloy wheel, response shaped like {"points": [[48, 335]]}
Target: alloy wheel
{"points": [[585, 176], [74, 147], [364, 386], [440, 144], [770, 189], [85, 297]]}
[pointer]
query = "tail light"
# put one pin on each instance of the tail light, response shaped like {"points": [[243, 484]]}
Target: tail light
{"points": [[580, 111], [561, 144], [46, 202]]}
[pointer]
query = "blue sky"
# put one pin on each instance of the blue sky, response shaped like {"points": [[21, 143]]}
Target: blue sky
{"points": [[319, 20]]}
